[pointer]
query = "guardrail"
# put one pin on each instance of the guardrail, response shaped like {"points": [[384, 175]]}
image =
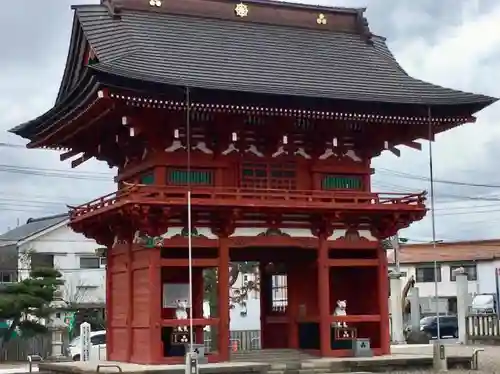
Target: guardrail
{"points": [[273, 198], [483, 327]]}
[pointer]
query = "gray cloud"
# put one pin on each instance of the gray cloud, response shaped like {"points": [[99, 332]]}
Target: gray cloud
{"points": [[447, 42]]}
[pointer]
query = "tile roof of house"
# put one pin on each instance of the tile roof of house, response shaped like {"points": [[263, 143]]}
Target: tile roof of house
{"points": [[32, 227], [449, 252]]}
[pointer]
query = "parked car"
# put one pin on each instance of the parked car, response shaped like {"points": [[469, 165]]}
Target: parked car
{"points": [[448, 326], [97, 350]]}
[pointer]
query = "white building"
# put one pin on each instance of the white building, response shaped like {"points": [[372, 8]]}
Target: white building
{"points": [[49, 241], [481, 259]]}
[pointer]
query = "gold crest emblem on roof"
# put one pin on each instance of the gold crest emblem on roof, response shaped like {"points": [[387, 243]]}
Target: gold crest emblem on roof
{"points": [[241, 10], [155, 3], [321, 20]]}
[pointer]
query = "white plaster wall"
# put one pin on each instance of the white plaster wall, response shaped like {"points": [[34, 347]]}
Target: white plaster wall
{"points": [[67, 246], [446, 288]]}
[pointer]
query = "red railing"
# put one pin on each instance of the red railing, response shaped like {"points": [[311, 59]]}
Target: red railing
{"points": [[253, 198]]}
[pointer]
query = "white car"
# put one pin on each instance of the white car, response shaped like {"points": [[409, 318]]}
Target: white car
{"points": [[97, 350]]}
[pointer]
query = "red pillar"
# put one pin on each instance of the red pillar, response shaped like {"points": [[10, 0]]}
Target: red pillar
{"points": [[263, 302], [324, 296], [155, 306], [293, 276], [130, 302], [383, 293], [223, 298], [109, 302]]}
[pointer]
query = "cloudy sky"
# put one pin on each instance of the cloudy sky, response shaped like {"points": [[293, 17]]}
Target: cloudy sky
{"points": [[454, 43]]}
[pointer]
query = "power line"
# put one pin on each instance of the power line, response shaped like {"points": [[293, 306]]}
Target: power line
{"points": [[426, 179]]}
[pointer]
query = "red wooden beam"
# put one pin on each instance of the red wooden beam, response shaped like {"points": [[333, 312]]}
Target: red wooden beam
{"points": [[69, 154], [196, 322], [196, 262], [353, 262], [80, 160]]}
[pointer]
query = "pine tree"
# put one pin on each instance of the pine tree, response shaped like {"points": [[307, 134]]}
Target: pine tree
{"points": [[25, 303]]}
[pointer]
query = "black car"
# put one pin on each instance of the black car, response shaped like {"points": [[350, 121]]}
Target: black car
{"points": [[448, 326]]}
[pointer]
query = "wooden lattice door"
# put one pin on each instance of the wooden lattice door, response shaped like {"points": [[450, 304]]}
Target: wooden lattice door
{"points": [[269, 175]]}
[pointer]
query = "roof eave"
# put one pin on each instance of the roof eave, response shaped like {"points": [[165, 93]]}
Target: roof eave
{"points": [[25, 130]]}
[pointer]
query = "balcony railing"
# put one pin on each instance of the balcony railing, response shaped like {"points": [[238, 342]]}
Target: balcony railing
{"points": [[215, 197]]}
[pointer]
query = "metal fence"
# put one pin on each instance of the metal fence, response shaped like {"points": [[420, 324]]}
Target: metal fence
{"points": [[244, 340]]}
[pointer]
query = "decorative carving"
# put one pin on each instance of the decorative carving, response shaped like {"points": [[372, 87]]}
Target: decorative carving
{"points": [[231, 147], [389, 225], [148, 241], [321, 225], [301, 152], [224, 223], [194, 233], [274, 232], [176, 143], [253, 150], [202, 146], [353, 155], [329, 152], [352, 234]]}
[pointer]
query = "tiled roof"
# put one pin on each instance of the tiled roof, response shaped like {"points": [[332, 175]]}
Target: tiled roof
{"points": [[449, 252], [250, 57], [32, 227]]}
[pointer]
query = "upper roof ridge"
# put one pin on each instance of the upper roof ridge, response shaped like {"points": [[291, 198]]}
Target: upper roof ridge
{"points": [[258, 11]]}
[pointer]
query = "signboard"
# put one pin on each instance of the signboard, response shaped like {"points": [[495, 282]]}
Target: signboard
{"points": [[173, 292], [85, 344], [69, 320]]}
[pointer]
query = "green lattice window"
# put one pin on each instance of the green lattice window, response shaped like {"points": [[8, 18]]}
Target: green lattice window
{"points": [[342, 182], [148, 178], [199, 177]]}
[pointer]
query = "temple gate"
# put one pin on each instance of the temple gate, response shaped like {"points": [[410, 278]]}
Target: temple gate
{"points": [[266, 117]]}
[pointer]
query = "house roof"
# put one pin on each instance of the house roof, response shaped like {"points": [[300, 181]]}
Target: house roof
{"points": [[32, 227], [479, 250]]}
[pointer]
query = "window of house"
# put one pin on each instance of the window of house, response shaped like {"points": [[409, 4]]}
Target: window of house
{"points": [[426, 273], [41, 260], [469, 268], [103, 261], [90, 262], [6, 277]]}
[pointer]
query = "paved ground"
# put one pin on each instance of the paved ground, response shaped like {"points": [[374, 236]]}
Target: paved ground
{"points": [[15, 368], [489, 360]]}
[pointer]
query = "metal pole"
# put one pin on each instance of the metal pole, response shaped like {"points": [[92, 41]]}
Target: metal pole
{"points": [[190, 241], [433, 221]]}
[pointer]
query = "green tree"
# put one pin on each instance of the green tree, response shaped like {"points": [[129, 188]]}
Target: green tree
{"points": [[31, 297], [239, 296]]}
